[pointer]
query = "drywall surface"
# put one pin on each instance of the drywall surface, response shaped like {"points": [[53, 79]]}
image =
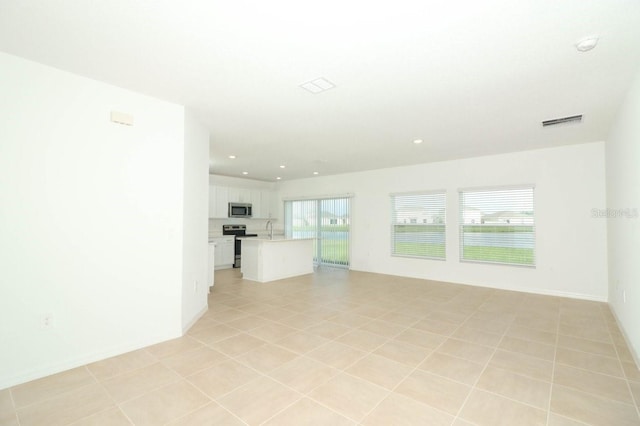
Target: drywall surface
{"points": [[570, 244], [623, 217], [195, 221], [91, 220]]}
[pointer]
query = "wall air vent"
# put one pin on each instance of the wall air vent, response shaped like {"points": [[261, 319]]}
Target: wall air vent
{"points": [[570, 119]]}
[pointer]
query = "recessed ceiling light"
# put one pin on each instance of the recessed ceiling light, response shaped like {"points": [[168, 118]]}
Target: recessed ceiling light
{"points": [[283, 166], [316, 173], [232, 157], [586, 44], [417, 141], [278, 178], [245, 173]]}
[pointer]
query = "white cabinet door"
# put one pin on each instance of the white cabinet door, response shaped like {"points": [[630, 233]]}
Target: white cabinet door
{"points": [[239, 195], [211, 264], [212, 201], [233, 195], [224, 252], [221, 208], [256, 203], [228, 252], [221, 196], [218, 255], [265, 206], [244, 195]]}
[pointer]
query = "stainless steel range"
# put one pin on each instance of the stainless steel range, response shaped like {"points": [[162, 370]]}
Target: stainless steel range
{"points": [[237, 231]]}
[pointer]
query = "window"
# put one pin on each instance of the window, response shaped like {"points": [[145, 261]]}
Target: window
{"points": [[418, 225], [498, 226], [327, 220]]}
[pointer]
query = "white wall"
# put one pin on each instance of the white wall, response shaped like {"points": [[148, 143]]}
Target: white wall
{"points": [[91, 218], [570, 245], [623, 192], [195, 221]]}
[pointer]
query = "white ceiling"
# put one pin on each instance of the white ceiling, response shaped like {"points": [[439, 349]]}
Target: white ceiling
{"points": [[470, 78]]}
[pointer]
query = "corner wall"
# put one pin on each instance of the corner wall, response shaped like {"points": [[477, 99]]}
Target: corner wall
{"points": [[195, 221], [623, 201], [91, 220], [571, 257]]}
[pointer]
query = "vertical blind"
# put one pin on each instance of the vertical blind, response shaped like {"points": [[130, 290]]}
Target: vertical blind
{"points": [[498, 225], [418, 225], [328, 221]]}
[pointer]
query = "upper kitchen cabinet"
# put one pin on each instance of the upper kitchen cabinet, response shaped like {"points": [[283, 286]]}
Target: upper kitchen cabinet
{"points": [[261, 201], [212, 201], [224, 190], [218, 201], [239, 195]]}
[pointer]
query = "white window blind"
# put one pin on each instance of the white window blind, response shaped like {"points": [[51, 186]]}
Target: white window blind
{"points": [[328, 221], [418, 225], [498, 226]]}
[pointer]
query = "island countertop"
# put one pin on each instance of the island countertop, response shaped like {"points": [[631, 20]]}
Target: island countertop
{"points": [[279, 239]]}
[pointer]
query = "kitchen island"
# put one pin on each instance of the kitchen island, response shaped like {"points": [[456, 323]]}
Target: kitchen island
{"points": [[265, 260]]}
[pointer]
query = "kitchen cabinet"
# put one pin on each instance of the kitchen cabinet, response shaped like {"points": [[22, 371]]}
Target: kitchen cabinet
{"points": [[224, 252], [212, 201], [218, 201], [269, 260], [265, 205], [256, 203], [221, 196], [261, 200], [239, 195], [211, 264]]}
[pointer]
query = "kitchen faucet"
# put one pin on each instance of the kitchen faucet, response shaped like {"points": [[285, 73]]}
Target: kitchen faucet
{"points": [[269, 228]]}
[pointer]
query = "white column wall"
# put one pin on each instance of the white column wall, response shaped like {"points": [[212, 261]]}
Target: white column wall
{"points": [[91, 218], [623, 200], [195, 221]]}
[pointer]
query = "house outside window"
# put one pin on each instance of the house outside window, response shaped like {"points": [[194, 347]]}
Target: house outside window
{"points": [[418, 225], [498, 225]]}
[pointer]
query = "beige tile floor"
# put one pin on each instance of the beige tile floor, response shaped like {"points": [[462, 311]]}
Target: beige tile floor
{"points": [[348, 348]]}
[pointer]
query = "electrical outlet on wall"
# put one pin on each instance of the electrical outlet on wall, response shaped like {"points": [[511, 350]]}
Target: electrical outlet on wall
{"points": [[46, 320], [195, 286]]}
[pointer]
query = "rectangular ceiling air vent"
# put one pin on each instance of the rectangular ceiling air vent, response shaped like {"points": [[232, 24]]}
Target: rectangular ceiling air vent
{"points": [[318, 85], [562, 120]]}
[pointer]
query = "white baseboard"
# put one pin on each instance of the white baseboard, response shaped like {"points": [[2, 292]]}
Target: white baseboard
{"points": [[635, 356], [195, 319], [544, 292], [47, 370]]}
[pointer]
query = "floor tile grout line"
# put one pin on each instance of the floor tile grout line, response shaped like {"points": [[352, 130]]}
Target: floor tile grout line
{"points": [[179, 378], [115, 403], [553, 369], [413, 371], [473, 387], [415, 368], [633, 398], [266, 375], [13, 405], [344, 370], [212, 401], [57, 395]]}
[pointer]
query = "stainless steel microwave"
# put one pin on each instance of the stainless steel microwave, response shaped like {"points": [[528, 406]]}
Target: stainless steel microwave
{"points": [[240, 210]]}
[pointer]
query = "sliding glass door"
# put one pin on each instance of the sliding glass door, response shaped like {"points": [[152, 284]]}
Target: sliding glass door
{"points": [[327, 220]]}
